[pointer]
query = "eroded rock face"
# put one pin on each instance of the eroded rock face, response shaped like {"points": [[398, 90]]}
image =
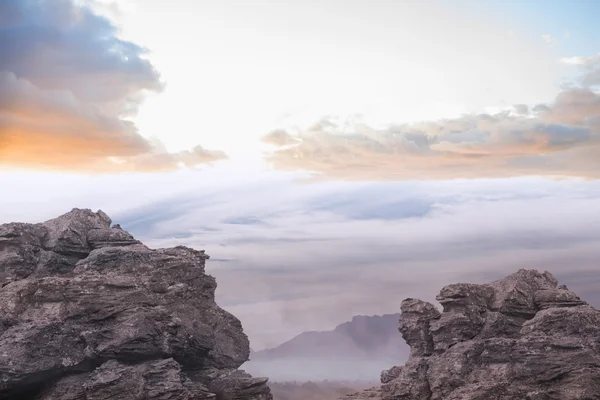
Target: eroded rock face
{"points": [[87, 312], [519, 338]]}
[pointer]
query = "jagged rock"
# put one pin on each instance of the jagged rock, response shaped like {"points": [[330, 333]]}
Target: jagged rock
{"points": [[235, 384], [114, 380], [411, 382], [514, 295], [417, 317], [551, 298], [389, 375], [88, 312], [371, 394], [519, 338]]}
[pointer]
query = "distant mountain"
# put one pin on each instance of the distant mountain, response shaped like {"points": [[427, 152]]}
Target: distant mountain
{"points": [[359, 349], [364, 336]]}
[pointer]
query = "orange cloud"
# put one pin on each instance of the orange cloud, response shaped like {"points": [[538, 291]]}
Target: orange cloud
{"points": [[562, 139], [67, 85]]}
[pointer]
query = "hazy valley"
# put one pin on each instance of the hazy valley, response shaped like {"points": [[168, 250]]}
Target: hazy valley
{"points": [[357, 350]]}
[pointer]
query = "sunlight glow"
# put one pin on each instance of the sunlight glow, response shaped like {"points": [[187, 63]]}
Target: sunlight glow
{"points": [[230, 79]]}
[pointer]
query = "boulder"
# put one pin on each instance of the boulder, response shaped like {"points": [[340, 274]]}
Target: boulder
{"points": [[88, 312], [522, 337]]}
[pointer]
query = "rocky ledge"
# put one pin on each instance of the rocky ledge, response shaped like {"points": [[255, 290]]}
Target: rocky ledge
{"points": [[519, 338], [88, 313]]}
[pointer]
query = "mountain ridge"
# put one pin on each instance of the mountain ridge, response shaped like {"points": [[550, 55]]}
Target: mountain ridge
{"points": [[365, 343], [387, 322]]}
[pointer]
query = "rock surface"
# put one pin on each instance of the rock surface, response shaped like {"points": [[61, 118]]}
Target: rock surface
{"points": [[89, 313], [519, 338]]}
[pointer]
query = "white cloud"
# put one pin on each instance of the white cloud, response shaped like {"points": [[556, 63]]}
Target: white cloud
{"points": [[282, 250], [549, 39], [266, 61], [69, 86], [590, 66], [558, 139], [581, 60]]}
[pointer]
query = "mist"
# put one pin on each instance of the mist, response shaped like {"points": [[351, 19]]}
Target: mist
{"points": [[357, 369]]}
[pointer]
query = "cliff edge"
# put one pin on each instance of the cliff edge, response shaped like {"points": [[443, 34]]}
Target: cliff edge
{"points": [[519, 338], [87, 313]]}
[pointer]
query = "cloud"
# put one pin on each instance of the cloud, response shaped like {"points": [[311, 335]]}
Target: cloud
{"points": [[558, 139], [280, 138], [549, 39], [590, 67], [68, 85], [281, 251], [576, 108], [302, 256], [290, 257], [581, 60]]}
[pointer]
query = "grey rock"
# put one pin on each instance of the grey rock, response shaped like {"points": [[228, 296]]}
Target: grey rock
{"points": [[389, 375], [158, 379], [417, 316], [522, 337], [372, 393], [551, 298], [459, 296], [88, 312], [110, 237], [236, 385], [411, 382], [514, 295]]}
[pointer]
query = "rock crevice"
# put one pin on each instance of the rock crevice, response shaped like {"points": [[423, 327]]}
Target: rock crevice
{"points": [[88, 313], [522, 337]]}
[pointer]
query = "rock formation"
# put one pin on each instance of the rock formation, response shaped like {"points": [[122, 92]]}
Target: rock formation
{"points": [[520, 338], [88, 313]]}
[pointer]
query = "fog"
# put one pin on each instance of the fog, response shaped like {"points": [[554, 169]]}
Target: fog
{"points": [[318, 369], [295, 258], [290, 257]]}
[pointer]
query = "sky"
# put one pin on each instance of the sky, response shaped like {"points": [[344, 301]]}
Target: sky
{"points": [[332, 157]]}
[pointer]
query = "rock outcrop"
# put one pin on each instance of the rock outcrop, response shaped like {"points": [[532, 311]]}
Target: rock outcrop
{"points": [[520, 338], [88, 313]]}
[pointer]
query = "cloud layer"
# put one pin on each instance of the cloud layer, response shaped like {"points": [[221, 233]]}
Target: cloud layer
{"points": [[557, 139], [290, 258], [68, 85]]}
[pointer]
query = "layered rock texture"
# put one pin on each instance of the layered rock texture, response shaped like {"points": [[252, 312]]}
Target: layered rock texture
{"points": [[520, 338], [89, 313]]}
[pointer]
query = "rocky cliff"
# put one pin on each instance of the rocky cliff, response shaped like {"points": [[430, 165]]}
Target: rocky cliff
{"points": [[520, 338], [87, 313]]}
